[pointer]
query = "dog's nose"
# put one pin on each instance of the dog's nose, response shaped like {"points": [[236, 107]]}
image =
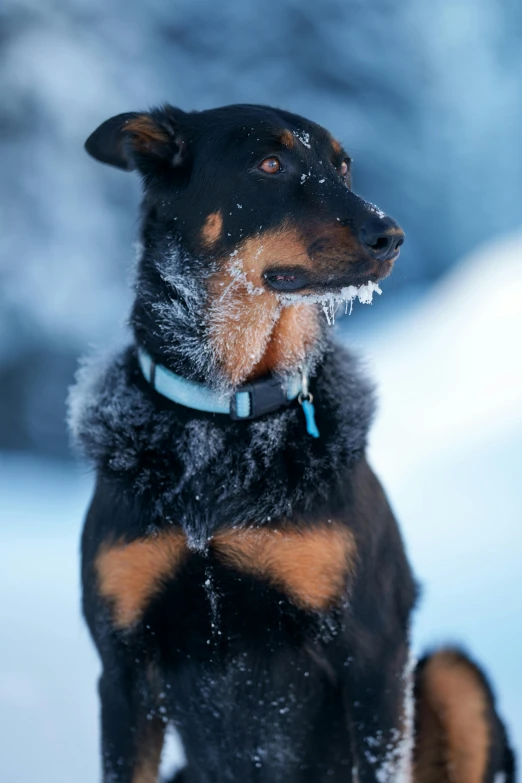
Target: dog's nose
{"points": [[381, 237]]}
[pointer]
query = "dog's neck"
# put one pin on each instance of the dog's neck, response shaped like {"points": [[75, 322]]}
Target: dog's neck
{"points": [[220, 337], [257, 335]]}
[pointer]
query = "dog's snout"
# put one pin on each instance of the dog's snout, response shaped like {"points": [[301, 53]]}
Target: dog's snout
{"points": [[381, 237]]}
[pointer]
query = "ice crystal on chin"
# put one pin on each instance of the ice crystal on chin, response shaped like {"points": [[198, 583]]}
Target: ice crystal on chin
{"points": [[331, 302]]}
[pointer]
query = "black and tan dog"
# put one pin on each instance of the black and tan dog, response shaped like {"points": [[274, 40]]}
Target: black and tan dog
{"points": [[244, 578]]}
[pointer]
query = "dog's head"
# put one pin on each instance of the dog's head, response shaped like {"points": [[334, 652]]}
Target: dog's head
{"points": [[258, 204]]}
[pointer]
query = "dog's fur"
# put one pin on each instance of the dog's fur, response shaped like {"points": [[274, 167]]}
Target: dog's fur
{"points": [[459, 736], [243, 580]]}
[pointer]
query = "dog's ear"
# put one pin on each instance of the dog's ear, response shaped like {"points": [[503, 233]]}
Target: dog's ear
{"points": [[145, 141]]}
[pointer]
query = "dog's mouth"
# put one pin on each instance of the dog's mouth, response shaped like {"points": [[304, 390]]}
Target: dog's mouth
{"points": [[287, 279], [298, 280]]}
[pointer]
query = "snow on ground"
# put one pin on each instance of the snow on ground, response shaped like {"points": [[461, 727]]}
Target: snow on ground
{"points": [[450, 371], [447, 445], [47, 666]]}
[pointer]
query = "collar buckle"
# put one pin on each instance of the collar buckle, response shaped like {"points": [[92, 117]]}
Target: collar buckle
{"points": [[254, 399]]}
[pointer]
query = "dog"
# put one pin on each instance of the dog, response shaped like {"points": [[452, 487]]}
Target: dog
{"points": [[244, 578]]}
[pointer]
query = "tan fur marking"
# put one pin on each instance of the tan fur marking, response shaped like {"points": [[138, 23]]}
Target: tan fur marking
{"points": [[244, 313], [337, 147], [148, 759], [212, 229], [453, 735], [287, 138], [130, 574], [292, 337], [146, 132], [311, 565]]}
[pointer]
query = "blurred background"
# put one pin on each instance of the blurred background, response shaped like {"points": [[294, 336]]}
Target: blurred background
{"points": [[427, 97]]}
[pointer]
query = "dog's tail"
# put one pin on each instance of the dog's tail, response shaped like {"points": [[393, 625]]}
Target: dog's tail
{"points": [[458, 733]]}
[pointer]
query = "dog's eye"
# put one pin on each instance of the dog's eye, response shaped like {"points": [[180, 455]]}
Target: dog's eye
{"points": [[270, 166], [345, 167]]}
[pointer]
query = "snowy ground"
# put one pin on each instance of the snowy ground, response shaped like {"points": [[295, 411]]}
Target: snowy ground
{"points": [[448, 447]]}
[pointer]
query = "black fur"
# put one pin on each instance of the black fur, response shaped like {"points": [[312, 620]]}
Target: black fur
{"points": [[218, 172], [245, 471], [160, 465], [259, 688]]}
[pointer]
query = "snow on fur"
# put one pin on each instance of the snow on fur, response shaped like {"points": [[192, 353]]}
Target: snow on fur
{"points": [[175, 457], [397, 764], [303, 137], [179, 314], [397, 767]]}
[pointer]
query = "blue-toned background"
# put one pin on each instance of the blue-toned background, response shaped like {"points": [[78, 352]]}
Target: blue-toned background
{"points": [[427, 97]]}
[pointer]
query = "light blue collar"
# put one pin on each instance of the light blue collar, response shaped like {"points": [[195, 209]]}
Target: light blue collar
{"points": [[250, 401]]}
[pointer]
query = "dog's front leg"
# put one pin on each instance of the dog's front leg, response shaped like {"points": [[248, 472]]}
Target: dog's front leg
{"points": [[376, 667], [132, 734], [380, 706], [131, 730]]}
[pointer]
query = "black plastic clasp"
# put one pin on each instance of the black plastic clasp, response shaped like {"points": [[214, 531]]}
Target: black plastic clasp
{"points": [[266, 396]]}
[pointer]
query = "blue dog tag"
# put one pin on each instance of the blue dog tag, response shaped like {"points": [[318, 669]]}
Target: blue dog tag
{"points": [[309, 412]]}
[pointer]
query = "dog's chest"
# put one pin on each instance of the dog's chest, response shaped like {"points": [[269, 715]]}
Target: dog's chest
{"points": [[310, 566]]}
